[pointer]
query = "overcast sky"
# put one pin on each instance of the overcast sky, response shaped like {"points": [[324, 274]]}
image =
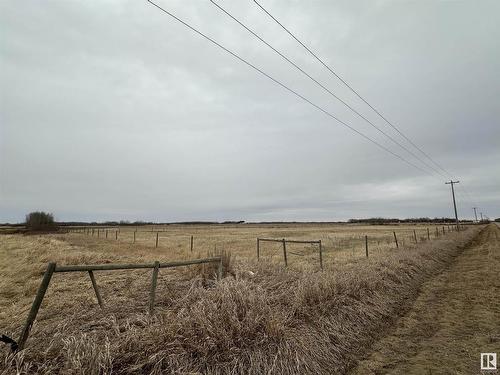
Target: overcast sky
{"points": [[112, 110]]}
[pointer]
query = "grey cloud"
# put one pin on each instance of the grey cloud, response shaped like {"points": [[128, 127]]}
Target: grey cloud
{"points": [[110, 110]]}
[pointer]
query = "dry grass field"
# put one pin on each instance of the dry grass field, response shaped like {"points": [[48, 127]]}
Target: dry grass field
{"points": [[341, 242], [261, 318]]}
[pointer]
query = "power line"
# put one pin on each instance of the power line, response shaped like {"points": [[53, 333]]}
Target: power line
{"points": [[351, 88], [359, 95], [465, 196], [467, 193], [285, 86], [282, 55]]}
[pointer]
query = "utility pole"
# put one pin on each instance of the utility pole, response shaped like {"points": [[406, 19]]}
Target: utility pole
{"points": [[475, 213], [454, 203]]}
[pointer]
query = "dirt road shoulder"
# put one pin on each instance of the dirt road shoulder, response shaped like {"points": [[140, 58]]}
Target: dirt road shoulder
{"points": [[455, 318]]}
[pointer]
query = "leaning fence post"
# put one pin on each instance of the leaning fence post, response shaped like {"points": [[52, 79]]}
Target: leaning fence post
{"points": [[320, 255], [191, 244], [152, 292], [258, 248], [36, 305], [366, 245], [396, 240], [284, 252], [156, 239], [96, 289], [415, 235]]}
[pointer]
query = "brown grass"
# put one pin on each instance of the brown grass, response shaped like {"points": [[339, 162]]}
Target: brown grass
{"points": [[455, 318], [261, 318]]}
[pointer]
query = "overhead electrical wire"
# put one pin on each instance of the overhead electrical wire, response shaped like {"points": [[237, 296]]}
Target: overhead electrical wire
{"points": [[285, 86], [296, 66], [300, 95], [351, 88], [358, 95], [464, 195]]}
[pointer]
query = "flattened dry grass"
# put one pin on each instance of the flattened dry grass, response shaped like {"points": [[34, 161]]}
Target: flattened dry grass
{"points": [[261, 318]]}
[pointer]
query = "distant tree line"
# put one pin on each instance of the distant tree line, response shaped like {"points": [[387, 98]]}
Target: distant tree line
{"points": [[382, 220], [45, 221]]}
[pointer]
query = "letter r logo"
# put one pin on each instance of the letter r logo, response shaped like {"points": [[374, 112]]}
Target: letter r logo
{"points": [[488, 361]]}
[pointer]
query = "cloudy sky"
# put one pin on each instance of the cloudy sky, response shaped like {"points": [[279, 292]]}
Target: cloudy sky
{"points": [[113, 110]]}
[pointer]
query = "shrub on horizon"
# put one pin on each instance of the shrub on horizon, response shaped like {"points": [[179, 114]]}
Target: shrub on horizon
{"points": [[40, 221]]}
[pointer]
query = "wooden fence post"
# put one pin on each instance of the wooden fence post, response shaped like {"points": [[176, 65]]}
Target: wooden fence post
{"points": [[191, 245], [258, 249], [443, 230], [106, 233], [415, 235], [98, 232], [437, 232], [92, 231], [152, 292], [134, 234], [428, 234], [156, 239], [366, 245], [284, 252], [396, 240], [36, 305], [320, 255], [96, 290], [220, 270], [116, 235]]}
